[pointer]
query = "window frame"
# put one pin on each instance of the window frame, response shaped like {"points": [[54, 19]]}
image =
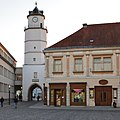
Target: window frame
{"points": [[102, 63], [57, 67]]}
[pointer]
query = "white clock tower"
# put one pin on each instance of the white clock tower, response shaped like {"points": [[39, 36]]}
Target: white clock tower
{"points": [[34, 62]]}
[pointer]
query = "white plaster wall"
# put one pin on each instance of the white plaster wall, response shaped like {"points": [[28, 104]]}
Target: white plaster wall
{"points": [[28, 75], [35, 34], [39, 58], [40, 45]]}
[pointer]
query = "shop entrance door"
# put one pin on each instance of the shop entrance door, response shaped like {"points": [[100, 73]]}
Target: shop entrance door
{"points": [[58, 97], [103, 95]]}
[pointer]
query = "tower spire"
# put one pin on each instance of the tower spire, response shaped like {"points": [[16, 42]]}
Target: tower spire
{"points": [[35, 4]]}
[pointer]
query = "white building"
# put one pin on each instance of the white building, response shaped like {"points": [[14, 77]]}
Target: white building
{"points": [[34, 63]]}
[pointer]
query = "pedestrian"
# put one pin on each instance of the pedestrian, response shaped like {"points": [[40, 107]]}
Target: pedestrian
{"points": [[38, 97], [114, 104], [2, 100], [15, 102]]}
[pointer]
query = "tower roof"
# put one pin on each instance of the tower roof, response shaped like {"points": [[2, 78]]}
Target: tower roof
{"points": [[36, 11]]}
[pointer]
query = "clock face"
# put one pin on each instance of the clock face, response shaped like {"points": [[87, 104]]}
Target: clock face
{"points": [[35, 19]]}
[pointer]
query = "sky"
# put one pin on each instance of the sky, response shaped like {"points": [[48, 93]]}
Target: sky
{"points": [[62, 18]]}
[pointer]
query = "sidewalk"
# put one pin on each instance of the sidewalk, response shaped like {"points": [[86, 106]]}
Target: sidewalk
{"points": [[40, 105]]}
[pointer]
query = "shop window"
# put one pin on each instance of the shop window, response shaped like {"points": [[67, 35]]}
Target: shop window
{"points": [[52, 96], [91, 93], [115, 93], [78, 96]]}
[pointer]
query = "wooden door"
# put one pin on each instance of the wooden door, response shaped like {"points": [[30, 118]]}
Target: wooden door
{"points": [[58, 97], [103, 96]]}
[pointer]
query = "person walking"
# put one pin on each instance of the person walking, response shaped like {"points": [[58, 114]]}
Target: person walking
{"points": [[15, 102], [2, 100], [38, 97]]}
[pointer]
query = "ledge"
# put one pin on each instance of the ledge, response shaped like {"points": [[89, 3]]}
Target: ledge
{"points": [[111, 71]]}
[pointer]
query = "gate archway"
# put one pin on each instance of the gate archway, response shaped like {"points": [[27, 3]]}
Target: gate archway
{"points": [[34, 91]]}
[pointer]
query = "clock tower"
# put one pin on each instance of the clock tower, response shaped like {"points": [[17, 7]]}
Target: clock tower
{"points": [[34, 62]]}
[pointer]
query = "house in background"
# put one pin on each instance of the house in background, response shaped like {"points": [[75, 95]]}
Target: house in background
{"points": [[84, 68]]}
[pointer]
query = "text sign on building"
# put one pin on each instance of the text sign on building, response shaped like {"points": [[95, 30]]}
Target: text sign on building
{"points": [[35, 80]]}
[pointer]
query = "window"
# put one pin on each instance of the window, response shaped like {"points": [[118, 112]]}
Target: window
{"points": [[5, 72], [34, 47], [1, 70], [57, 67], [41, 25], [78, 64], [115, 93], [34, 59], [52, 96], [102, 64], [35, 74], [19, 77], [107, 64], [91, 93], [78, 95], [97, 64]]}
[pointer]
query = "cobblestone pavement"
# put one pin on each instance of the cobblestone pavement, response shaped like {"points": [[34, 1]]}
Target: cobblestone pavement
{"points": [[37, 111]]}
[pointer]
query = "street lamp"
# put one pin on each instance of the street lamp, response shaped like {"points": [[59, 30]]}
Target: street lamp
{"points": [[21, 94], [9, 94]]}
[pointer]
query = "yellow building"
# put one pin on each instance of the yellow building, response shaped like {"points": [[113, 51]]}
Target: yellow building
{"points": [[83, 69]]}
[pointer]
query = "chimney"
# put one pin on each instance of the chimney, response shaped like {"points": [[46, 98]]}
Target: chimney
{"points": [[84, 25]]}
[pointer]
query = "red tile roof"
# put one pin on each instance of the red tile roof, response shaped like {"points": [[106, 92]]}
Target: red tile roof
{"points": [[95, 35]]}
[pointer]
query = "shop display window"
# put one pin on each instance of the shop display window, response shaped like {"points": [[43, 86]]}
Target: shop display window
{"points": [[91, 93], [78, 95], [52, 95]]}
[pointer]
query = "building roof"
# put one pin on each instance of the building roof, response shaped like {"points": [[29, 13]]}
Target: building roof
{"points": [[36, 11], [94, 35], [7, 51]]}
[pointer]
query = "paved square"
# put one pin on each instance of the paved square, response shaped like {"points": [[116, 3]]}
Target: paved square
{"points": [[37, 111]]}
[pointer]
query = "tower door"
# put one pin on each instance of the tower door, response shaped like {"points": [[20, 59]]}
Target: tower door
{"points": [[103, 96]]}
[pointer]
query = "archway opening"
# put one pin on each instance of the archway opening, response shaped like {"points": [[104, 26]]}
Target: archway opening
{"points": [[35, 93]]}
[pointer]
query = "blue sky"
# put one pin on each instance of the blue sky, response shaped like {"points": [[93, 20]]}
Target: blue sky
{"points": [[63, 17]]}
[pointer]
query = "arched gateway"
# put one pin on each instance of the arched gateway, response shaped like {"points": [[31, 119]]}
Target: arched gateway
{"points": [[34, 91]]}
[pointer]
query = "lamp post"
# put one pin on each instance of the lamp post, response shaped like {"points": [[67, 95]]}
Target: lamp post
{"points": [[9, 94], [21, 94]]}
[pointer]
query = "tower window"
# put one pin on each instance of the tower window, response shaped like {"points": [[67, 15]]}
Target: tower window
{"points": [[40, 25], [35, 74], [34, 47], [34, 59]]}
